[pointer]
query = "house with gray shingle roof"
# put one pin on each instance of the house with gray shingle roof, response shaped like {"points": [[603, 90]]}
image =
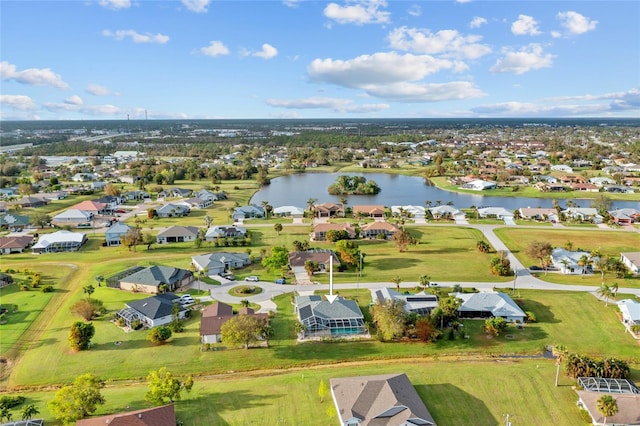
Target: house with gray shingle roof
{"points": [[337, 319], [178, 234], [221, 261], [383, 400], [114, 234], [247, 212], [229, 231], [14, 222], [152, 311], [420, 303], [172, 210], [489, 304], [150, 279]]}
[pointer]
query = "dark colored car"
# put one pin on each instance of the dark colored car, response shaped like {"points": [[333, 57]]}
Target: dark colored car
{"points": [[280, 281]]}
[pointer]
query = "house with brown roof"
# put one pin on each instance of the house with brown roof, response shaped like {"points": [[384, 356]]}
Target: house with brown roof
{"points": [[387, 399], [373, 211], [164, 415], [544, 214], [632, 261], [216, 315], [297, 259], [628, 402], [328, 210], [19, 244], [320, 230], [375, 229]]}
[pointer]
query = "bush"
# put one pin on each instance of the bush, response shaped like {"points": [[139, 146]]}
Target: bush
{"points": [[159, 335], [47, 289], [8, 401], [136, 324], [531, 317]]}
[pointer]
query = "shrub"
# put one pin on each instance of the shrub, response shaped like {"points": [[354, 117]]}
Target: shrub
{"points": [[531, 317], [159, 335], [136, 324], [47, 289], [24, 287], [8, 401]]}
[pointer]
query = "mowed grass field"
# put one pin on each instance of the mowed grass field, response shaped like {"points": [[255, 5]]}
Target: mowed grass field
{"points": [[609, 243], [456, 392], [577, 320]]}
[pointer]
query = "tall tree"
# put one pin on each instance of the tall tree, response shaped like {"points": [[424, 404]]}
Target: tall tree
{"points": [[88, 289], [78, 400], [28, 411], [390, 318], [80, 335], [278, 259], [539, 250], [208, 220], [607, 406], [402, 239], [278, 228], [605, 291], [243, 330], [396, 280]]}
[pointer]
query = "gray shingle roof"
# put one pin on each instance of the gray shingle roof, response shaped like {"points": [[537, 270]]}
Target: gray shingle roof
{"points": [[157, 306], [157, 275]]}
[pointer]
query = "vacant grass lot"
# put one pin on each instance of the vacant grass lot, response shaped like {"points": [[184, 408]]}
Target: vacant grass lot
{"points": [[609, 243], [456, 392]]}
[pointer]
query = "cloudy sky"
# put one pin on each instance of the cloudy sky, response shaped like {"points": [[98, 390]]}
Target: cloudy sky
{"points": [[109, 59]]}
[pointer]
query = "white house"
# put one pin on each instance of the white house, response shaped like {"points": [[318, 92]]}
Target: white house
{"points": [[489, 304], [153, 311], [221, 261], [420, 303], [72, 216], [479, 185], [584, 214], [59, 241], [568, 262], [497, 212], [632, 261]]}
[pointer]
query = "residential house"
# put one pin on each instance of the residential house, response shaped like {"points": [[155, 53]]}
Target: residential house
{"points": [[157, 416], [5, 279], [216, 315], [321, 318], [221, 261], [323, 257], [111, 201], [4, 207], [541, 214], [153, 311], [584, 187], [625, 393], [497, 212], [84, 177], [479, 185], [228, 231], [601, 181], [205, 194], [320, 230], [14, 222], [328, 210], [59, 241], [372, 211], [292, 211], [572, 262], [419, 303], [91, 206], [384, 400], [151, 279], [247, 212], [137, 195], [73, 217], [113, 235], [632, 261], [9, 245], [583, 214], [377, 229], [172, 210], [625, 216], [570, 179], [445, 212], [630, 311], [30, 201], [416, 212], [562, 168], [618, 189], [178, 234], [198, 203], [98, 185], [489, 304]]}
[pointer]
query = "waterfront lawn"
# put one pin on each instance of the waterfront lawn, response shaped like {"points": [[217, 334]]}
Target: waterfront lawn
{"points": [[455, 393], [609, 243]]}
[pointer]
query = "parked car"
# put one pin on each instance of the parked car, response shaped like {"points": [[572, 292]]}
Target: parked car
{"points": [[228, 275], [280, 281], [253, 278], [187, 299]]}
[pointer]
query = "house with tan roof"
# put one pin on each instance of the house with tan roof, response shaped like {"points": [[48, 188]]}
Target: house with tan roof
{"points": [[157, 416], [91, 207], [373, 211], [377, 229], [632, 261], [328, 210], [297, 259], [320, 230], [19, 244], [382, 400], [543, 214]]}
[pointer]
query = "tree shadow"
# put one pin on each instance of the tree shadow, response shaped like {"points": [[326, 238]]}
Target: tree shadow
{"points": [[397, 263], [542, 312], [191, 410], [448, 399], [324, 351]]}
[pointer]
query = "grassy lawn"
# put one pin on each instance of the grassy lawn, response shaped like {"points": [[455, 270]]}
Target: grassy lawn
{"points": [[455, 392], [609, 243]]}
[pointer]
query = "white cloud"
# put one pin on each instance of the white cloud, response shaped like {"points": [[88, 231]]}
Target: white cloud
{"points": [[575, 23], [358, 12], [17, 102], [32, 76], [527, 59], [74, 100], [115, 4], [96, 110], [426, 92], [556, 34], [477, 22], [525, 25], [463, 1], [136, 37], [215, 48], [334, 104], [98, 90], [414, 10], [267, 52], [379, 68], [197, 6], [291, 3], [620, 100], [445, 42]]}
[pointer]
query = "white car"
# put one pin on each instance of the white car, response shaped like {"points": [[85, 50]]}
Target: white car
{"points": [[187, 299], [253, 278]]}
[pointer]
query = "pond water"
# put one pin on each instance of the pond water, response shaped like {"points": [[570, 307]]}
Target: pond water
{"points": [[397, 190]]}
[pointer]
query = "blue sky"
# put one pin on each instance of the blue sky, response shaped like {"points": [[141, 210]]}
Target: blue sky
{"points": [[109, 59]]}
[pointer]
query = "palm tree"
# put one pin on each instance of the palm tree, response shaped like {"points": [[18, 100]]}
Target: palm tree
{"points": [[614, 288], [208, 221], [278, 228], [428, 203], [606, 292], [29, 411], [601, 265], [396, 280], [424, 280], [584, 262], [607, 406], [566, 264], [245, 303], [343, 202], [560, 352], [310, 206]]}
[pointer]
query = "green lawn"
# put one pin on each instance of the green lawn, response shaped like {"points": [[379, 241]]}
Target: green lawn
{"points": [[609, 243], [456, 392]]}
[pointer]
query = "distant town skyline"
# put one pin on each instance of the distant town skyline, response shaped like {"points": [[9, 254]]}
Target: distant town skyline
{"points": [[203, 59]]}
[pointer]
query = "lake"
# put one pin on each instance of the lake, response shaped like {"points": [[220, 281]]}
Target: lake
{"points": [[397, 190]]}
